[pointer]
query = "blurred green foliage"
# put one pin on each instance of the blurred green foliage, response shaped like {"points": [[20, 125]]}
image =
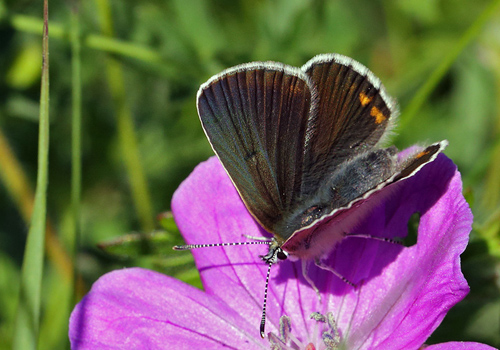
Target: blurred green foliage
{"points": [[163, 51]]}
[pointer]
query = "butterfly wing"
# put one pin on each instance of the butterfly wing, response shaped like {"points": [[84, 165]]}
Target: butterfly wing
{"points": [[255, 117], [320, 235], [412, 164], [286, 136], [353, 115]]}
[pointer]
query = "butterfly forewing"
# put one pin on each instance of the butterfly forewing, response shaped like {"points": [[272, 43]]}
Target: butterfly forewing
{"points": [[255, 117], [353, 113]]}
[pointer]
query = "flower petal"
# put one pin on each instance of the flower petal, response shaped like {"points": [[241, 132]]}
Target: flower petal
{"points": [[208, 209], [401, 290], [402, 294], [400, 307], [460, 346], [142, 309]]}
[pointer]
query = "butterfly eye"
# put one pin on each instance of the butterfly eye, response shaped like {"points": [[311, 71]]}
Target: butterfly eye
{"points": [[282, 255]]}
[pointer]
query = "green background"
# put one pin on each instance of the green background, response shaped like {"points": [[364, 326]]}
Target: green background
{"points": [[141, 65]]}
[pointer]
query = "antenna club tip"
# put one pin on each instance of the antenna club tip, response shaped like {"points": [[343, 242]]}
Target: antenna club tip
{"points": [[262, 330], [177, 247]]}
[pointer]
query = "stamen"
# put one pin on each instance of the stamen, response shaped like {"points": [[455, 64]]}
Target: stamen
{"points": [[276, 343], [287, 336], [331, 337], [285, 328], [316, 316], [287, 340]]}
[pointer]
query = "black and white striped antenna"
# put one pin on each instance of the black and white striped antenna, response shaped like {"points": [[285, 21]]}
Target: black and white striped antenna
{"points": [[264, 305], [270, 259], [196, 246]]}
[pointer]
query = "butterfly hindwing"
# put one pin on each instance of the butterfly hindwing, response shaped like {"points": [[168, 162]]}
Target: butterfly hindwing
{"points": [[350, 193]]}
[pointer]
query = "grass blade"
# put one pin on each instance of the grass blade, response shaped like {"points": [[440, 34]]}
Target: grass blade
{"points": [[126, 133], [423, 93], [76, 126], [28, 313]]}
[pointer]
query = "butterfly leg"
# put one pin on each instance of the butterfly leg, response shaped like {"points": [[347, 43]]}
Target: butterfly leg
{"points": [[265, 239], [309, 280], [382, 239], [336, 273]]}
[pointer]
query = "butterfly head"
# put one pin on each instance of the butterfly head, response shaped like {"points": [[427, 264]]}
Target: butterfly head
{"points": [[275, 253]]}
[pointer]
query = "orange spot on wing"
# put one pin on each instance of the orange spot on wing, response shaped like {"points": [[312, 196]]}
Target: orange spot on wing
{"points": [[421, 154], [378, 115], [364, 99]]}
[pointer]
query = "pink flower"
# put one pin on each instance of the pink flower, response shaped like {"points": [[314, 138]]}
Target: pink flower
{"points": [[402, 296]]}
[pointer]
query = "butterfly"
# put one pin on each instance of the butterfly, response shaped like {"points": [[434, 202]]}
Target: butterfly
{"points": [[303, 148]]}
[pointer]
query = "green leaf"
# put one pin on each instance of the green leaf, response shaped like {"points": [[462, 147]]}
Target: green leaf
{"points": [[135, 245], [167, 222], [25, 70]]}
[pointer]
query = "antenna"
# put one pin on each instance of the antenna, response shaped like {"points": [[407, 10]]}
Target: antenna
{"points": [[195, 246], [275, 253], [263, 319]]}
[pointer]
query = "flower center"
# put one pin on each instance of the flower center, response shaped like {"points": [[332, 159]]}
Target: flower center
{"points": [[330, 336]]}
